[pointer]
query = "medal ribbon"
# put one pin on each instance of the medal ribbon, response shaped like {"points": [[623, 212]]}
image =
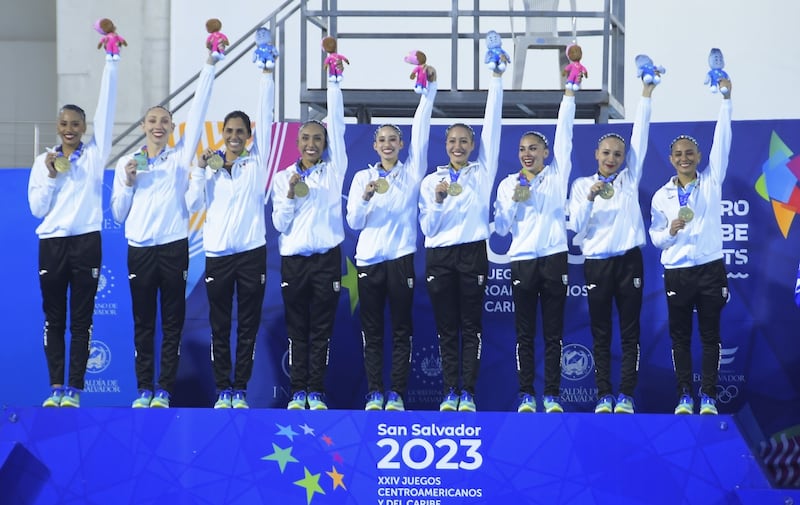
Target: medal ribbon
{"points": [[304, 172], [609, 179], [454, 175], [75, 154], [685, 192], [523, 180], [381, 172], [151, 161]]}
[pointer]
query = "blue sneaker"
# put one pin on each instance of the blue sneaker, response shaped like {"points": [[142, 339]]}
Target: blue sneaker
{"points": [[54, 400], [239, 400], [624, 404], [527, 403], [466, 403], [450, 402], [316, 401], [298, 401], [685, 405], [71, 398], [223, 400], [143, 400], [374, 401], [394, 401], [605, 405], [551, 405], [160, 400], [708, 405]]}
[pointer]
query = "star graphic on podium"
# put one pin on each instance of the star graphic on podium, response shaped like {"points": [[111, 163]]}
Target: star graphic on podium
{"points": [[281, 456], [311, 484], [337, 478]]}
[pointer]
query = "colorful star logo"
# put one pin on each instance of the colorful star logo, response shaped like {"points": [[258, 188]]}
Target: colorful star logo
{"points": [[778, 183]]}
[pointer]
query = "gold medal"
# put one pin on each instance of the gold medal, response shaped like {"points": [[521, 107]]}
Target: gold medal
{"points": [[454, 189], [686, 214], [381, 185], [62, 164], [301, 189], [215, 162], [141, 162], [522, 193], [607, 191]]}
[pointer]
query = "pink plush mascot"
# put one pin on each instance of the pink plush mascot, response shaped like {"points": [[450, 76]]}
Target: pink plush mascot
{"points": [[574, 71], [216, 42], [420, 73], [333, 60], [110, 39]]}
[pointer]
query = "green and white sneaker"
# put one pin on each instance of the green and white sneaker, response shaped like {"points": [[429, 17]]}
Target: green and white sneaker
{"points": [[394, 401], [298, 401], [551, 405], [143, 400], [527, 403], [223, 400], [374, 401], [708, 406], [160, 400], [54, 400], [685, 405], [239, 400], [316, 401], [605, 405], [450, 402], [624, 404], [71, 398]]}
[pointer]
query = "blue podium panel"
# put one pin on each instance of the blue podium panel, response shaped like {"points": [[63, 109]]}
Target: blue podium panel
{"points": [[21, 474], [203, 456]]}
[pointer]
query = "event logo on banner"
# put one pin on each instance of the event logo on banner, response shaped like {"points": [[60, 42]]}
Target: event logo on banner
{"points": [[777, 183], [105, 303], [426, 368]]}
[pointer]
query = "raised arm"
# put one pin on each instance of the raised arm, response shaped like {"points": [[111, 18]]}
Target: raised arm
{"points": [[492, 122], [640, 135], [420, 130], [721, 147], [197, 113], [103, 122], [336, 147]]}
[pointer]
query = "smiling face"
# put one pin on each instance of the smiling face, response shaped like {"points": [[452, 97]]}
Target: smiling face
{"points": [[459, 145], [610, 156], [532, 153], [685, 157], [311, 143], [388, 145], [157, 126], [235, 133], [70, 127]]}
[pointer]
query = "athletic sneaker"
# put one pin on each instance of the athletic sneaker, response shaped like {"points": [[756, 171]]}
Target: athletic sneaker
{"points": [[160, 400], [394, 401], [551, 405], [143, 400], [450, 402], [685, 405], [54, 400], [466, 403], [708, 406], [374, 401], [527, 403], [239, 400], [298, 401], [71, 398], [605, 405], [316, 401], [624, 404], [223, 400]]}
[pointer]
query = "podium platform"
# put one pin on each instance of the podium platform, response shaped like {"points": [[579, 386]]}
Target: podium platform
{"points": [[202, 456]]}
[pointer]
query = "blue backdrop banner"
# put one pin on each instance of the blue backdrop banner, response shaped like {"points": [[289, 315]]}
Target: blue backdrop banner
{"points": [[759, 355]]}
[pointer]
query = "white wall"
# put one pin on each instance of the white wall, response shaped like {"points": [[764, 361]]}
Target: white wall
{"points": [[757, 38]]}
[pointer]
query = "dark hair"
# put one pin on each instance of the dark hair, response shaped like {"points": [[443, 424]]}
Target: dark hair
{"points": [[538, 135], [462, 125], [320, 124], [241, 115], [388, 125], [160, 107], [684, 137], [610, 135], [73, 108]]}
